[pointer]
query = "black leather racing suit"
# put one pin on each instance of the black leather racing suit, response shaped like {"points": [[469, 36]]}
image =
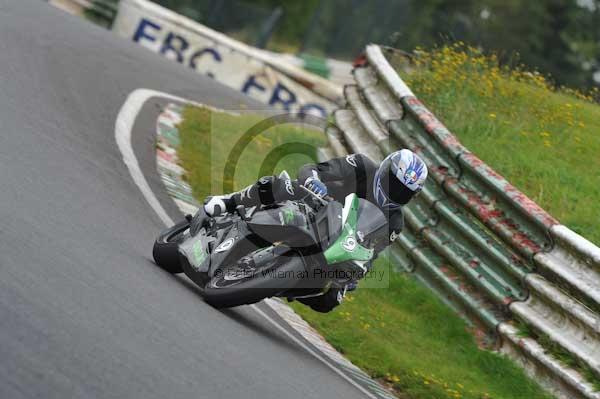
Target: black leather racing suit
{"points": [[342, 176]]}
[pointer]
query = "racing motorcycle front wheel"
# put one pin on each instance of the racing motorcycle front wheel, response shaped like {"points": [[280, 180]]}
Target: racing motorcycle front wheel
{"points": [[165, 251]]}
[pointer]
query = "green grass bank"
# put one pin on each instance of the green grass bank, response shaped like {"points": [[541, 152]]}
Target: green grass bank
{"points": [[544, 140]]}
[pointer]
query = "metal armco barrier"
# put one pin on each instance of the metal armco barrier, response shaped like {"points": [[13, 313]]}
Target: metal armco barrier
{"points": [[479, 243]]}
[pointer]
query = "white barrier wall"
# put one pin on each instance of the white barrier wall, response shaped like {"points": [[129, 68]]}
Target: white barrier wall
{"points": [[235, 64]]}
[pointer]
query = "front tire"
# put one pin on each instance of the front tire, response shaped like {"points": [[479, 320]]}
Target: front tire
{"points": [[166, 248]]}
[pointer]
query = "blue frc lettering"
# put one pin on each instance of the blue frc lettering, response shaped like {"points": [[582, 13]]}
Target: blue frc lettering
{"points": [[252, 83], [176, 45], [282, 96], [199, 57], [214, 54], [143, 32]]}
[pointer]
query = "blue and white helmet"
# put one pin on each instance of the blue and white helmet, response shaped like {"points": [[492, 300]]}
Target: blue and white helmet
{"points": [[400, 177]]}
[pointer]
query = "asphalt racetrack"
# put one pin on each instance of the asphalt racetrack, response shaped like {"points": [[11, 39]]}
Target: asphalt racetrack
{"points": [[84, 312]]}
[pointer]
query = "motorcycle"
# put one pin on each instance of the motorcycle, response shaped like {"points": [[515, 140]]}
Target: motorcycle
{"points": [[294, 250]]}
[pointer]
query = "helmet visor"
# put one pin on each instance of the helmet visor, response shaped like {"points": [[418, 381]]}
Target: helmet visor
{"points": [[394, 189]]}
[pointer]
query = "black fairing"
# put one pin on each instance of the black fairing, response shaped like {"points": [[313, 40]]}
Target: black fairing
{"points": [[243, 243], [287, 224], [242, 240]]}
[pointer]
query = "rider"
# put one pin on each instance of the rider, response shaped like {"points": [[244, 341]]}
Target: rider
{"points": [[399, 177]]}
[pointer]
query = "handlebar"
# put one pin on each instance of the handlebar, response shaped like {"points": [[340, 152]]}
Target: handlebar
{"points": [[324, 201]]}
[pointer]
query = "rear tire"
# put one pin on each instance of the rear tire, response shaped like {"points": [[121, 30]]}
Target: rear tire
{"points": [[256, 288], [166, 248]]}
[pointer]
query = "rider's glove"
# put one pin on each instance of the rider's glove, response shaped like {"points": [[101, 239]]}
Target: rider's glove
{"points": [[316, 186], [214, 206]]}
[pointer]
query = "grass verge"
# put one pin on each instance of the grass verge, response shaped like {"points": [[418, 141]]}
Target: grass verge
{"points": [[222, 153], [401, 334], [545, 140]]}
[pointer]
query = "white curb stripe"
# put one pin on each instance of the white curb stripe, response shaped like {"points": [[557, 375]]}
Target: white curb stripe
{"points": [[123, 127]]}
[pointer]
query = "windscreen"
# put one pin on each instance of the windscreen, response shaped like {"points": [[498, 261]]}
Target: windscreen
{"points": [[370, 218]]}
